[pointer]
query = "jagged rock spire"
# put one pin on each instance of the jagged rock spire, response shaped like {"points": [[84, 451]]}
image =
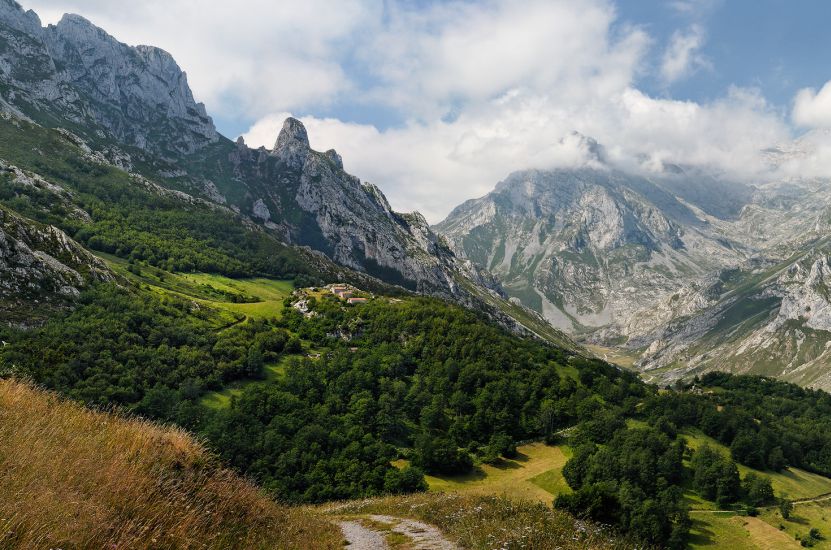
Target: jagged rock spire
{"points": [[293, 133], [293, 143]]}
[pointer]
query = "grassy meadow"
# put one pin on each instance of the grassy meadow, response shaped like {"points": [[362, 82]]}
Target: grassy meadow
{"points": [[535, 474]]}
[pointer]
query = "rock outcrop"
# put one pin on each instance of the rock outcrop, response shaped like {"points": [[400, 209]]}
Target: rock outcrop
{"points": [[76, 71], [588, 248], [308, 198], [41, 268]]}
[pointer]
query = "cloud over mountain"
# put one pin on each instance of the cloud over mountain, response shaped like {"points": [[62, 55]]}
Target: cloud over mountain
{"points": [[436, 102]]}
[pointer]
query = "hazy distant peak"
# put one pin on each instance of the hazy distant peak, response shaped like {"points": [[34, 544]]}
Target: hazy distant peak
{"points": [[591, 151]]}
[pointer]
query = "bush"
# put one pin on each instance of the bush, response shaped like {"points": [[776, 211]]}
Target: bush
{"points": [[407, 480], [500, 445], [785, 508], [439, 455]]}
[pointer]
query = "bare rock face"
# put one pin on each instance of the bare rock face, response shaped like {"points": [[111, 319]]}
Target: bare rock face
{"points": [[74, 70], [588, 248], [352, 221], [41, 266], [769, 318], [292, 145]]}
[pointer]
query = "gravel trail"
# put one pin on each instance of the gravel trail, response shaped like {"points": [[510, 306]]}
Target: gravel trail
{"points": [[359, 537], [424, 536], [421, 535]]}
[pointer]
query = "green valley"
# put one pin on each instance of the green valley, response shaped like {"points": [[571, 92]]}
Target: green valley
{"points": [[210, 344]]}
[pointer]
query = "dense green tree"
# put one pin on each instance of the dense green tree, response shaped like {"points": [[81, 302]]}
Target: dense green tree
{"points": [[715, 477], [630, 482], [438, 455], [748, 448], [776, 459], [785, 508], [757, 490]]}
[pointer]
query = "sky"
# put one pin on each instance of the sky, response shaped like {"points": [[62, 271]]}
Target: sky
{"points": [[437, 101]]}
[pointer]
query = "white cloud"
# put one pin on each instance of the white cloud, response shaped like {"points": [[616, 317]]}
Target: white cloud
{"points": [[434, 167], [484, 88], [474, 52], [813, 109], [243, 59], [682, 56], [517, 97]]}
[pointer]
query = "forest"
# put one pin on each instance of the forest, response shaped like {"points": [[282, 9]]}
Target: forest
{"points": [[425, 381]]}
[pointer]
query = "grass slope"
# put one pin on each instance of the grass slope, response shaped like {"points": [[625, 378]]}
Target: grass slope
{"points": [[481, 522], [805, 515], [266, 295], [535, 475], [791, 483], [737, 533], [74, 478]]}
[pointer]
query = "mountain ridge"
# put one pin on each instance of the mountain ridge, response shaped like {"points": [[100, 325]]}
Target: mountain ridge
{"points": [[131, 107], [643, 265]]}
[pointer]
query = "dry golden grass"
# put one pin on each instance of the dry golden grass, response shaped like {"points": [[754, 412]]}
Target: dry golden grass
{"points": [[75, 478], [487, 522]]}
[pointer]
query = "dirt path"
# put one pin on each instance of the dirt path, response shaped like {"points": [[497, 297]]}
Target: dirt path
{"points": [[372, 533], [359, 537], [422, 535], [818, 498], [825, 496]]}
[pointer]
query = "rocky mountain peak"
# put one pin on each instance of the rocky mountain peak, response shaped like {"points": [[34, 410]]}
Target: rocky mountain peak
{"points": [[74, 23], [292, 144], [13, 15], [292, 134], [76, 71]]}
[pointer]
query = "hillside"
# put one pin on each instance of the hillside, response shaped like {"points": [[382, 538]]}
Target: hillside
{"points": [[131, 108], [74, 478], [319, 399]]}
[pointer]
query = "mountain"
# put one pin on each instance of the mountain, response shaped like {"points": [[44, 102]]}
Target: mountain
{"points": [[75, 74], [672, 270], [589, 247], [765, 317], [131, 108], [306, 198]]}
